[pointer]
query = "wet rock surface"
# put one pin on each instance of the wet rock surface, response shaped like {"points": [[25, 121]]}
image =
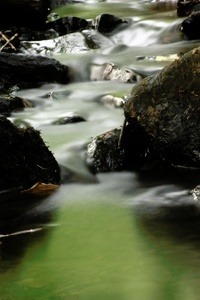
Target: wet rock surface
{"points": [[190, 26], [103, 153], [168, 110], [25, 159], [185, 8], [21, 30], [27, 70], [105, 23], [163, 122], [74, 118], [10, 103], [110, 71], [53, 29], [67, 25]]}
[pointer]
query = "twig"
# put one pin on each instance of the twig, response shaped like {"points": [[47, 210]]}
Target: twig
{"points": [[20, 232], [8, 41]]}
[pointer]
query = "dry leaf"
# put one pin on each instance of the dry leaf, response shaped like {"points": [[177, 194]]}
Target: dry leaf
{"points": [[42, 189]]}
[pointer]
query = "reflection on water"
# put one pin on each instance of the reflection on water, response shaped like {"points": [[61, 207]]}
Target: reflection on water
{"points": [[113, 236]]}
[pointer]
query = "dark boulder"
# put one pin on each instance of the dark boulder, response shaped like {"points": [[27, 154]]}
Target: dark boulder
{"points": [[67, 25], [166, 107], [162, 117], [105, 23], [103, 153], [184, 8], [25, 71], [190, 26], [25, 160], [120, 149], [10, 103]]}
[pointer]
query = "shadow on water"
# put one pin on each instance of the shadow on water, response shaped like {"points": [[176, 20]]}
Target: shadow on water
{"points": [[166, 210], [181, 224], [184, 177], [22, 223]]}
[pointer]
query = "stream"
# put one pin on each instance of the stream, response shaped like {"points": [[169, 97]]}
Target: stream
{"points": [[120, 235]]}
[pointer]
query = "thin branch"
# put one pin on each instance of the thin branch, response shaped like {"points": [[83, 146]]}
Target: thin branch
{"points": [[8, 41]]}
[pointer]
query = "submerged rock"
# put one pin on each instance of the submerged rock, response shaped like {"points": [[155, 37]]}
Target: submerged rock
{"points": [[74, 118], [25, 160], [112, 101]]}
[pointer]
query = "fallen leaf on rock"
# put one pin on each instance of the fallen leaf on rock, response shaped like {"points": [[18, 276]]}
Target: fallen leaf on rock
{"points": [[42, 189]]}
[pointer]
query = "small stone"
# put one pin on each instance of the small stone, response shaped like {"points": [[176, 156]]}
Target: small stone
{"points": [[69, 120], [112, 101], [196, 193], [110, 71]]}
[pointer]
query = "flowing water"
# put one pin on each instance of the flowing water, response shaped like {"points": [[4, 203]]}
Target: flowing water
{"points": [[119, 236]]}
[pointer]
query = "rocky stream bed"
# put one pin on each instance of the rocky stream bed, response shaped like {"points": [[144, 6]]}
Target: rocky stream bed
{"points": [[100, 151]]}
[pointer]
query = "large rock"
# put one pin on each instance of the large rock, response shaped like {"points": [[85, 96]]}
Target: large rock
{"points": [[25, 160], [184, 8], [190, 26], [167, 108], [162, 114], [27, 70]]}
